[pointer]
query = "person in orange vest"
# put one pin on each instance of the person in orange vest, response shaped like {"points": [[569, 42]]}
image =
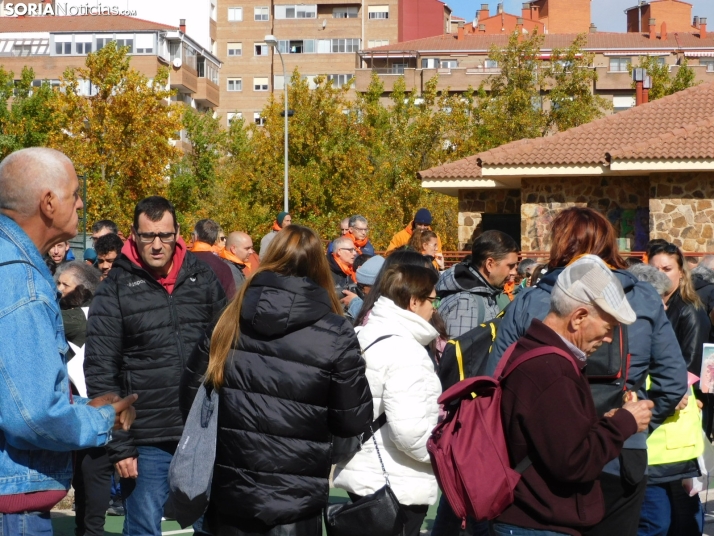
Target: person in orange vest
{"points": [[237, 253], [422, 220]]}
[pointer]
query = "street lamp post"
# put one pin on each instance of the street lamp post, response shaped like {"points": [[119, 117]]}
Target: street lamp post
{"points": [[271, 41]]}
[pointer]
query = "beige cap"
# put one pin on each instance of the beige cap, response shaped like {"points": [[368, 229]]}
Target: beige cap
{"points": [[589, 281]]}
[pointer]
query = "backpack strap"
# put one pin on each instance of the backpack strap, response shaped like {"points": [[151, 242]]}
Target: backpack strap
{"points": [[459, 358], [536, 352], [481, 309]]}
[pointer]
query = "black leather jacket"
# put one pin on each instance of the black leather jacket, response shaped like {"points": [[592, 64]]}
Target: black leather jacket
{"points": [[691, 326]]}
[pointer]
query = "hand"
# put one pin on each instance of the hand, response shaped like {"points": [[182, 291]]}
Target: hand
{"points": [[349, 296], [683, 403], [127, 468], [124, 412], [641, 411]]}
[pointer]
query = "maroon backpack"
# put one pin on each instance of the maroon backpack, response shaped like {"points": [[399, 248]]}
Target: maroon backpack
{"points": [[468, 448]]}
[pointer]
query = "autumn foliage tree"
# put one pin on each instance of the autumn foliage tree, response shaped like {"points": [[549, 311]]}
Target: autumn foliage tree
{"points": [[663, 83], [118, 136]]}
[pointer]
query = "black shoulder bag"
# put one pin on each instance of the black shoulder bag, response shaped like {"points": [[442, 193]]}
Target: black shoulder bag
{"points": [[378, 514]]}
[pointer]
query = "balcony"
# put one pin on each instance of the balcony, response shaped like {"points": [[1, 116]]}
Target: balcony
{"points": [[184, 79], [610, 80], [207, 93], [388, 76], [457, 79]]}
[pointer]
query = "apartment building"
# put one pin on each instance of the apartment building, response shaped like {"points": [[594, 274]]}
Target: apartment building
{"points": [[543, 16], [675, 14], [51, 44], [318, 39], [461, 61]]}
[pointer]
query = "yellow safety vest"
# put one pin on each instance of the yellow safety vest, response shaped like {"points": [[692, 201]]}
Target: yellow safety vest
{"points": [[679, 438]]}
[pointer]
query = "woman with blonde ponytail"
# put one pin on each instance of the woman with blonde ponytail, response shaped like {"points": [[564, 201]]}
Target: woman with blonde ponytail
{"points": [[289, 374]]}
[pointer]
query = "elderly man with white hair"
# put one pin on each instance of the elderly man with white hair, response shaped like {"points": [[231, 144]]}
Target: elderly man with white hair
{"points": [[548, 412], [40, 424], [341, 260]]}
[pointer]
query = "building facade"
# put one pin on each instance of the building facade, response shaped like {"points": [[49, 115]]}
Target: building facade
{"points": [[317, 39], [50, 45]]}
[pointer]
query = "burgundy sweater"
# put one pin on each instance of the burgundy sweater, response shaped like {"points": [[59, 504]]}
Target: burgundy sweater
{"points": [[548, 414]]}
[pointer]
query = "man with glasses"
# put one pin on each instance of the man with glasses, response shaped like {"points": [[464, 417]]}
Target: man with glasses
{"points": [[358, 234], [341, 260], [206, 236], [146, 317]]}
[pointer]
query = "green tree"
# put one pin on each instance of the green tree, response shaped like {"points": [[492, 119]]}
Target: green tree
{"points": [[119, 137], [662, 82], [24, 111], [571, 82]]}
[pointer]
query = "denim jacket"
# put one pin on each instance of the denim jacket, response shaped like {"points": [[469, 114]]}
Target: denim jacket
{"points": [[39, 424]]}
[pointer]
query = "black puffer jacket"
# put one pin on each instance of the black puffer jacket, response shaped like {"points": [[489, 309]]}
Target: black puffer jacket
{"points": [[703, 279], [295, 379], [139, 338]]}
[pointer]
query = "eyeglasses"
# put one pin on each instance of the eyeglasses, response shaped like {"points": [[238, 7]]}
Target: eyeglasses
{"points": [[347, 249], [364, 229], [148, 238], [222, 238], [435, 301]]}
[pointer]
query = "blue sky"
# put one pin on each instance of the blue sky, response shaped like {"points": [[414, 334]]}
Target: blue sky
{"points": [[608, 15]]}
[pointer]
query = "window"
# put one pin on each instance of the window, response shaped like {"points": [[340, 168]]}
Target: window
{"points": [[449, 64], [261, 49], [235, 49], [310, 79], [235, 14], [102, 42], [324, 46], [261, 13], [308, 11], [214, 11], [260, 84], [623, 103], [377, 43], [21, 50], [258, 119], [174, 50], [189, 57], [85, 88], [306, 46], [490, 64], [345, 45], [620, 65], [398, 68], [63, 44], [709, 65], [234, 116], [378, 12], [278, 82], [145, 43], [126, 41], [339, 79], [345, 12], [429, 63], [235, 84], [83, 44]]}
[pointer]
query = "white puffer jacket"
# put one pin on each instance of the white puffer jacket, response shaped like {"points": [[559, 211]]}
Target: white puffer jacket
{"points": [[404, 385]]}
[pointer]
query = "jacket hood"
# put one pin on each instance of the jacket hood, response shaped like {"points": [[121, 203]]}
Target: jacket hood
{"points": [[626, 279], [463, 277], [702, 276], [392, 318], [275, 304]]}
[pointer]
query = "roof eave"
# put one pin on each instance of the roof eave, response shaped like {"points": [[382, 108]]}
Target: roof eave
{"points": [[661, 164]]}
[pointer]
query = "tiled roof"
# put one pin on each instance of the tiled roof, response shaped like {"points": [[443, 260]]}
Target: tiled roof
{"points": [[680, 126], [595, 42], [85, 23], [689, 142]]}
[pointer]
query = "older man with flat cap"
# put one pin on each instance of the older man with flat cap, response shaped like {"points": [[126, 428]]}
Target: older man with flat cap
{"points": [[40, 422], [548, 412]]}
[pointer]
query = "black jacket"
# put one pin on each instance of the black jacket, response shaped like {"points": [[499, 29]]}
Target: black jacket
{"points": [[703, 279], [295, 379], [139, 338], [691, 326]]}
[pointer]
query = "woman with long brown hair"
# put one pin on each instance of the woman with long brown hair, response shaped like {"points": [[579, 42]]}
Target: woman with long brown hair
{"points": [[289, 374], [652, 347], [426, 242]]}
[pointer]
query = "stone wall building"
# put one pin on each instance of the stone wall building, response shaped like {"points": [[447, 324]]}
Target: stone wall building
{"points": [[650, 170]]}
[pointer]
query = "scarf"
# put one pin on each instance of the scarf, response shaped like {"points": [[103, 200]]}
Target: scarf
{"points": [[203, 246], [359, 244], [347, 269], [168, 281], [508, 289], [227, 255], [276, 227]]}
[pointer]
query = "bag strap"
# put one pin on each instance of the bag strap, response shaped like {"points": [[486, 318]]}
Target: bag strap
{"points": [[376, 425], [379, 455], [15, 262], [536, 352], [375, 341]]}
